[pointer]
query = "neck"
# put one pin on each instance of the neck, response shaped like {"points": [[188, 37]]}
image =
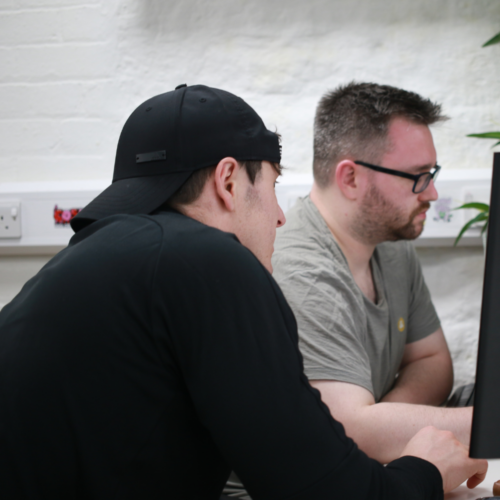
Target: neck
{"points": [[338, 213], [208, 212]]}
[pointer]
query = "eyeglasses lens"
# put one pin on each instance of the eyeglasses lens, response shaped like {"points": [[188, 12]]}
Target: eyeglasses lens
{"points": [[422, 183], [424, 180]]}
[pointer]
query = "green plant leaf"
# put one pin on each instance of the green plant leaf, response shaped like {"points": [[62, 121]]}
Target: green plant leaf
{"points": [[496, 144], [492, 41], [486, 135], [485, 227], [483, 207], [478, 218]]}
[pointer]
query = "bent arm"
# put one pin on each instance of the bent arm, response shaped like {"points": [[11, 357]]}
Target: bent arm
{"points": [[382, 430], [235, 351], [426, 373]]}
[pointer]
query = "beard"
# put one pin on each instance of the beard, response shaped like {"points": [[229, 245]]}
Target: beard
{"points": [[380, 220]]}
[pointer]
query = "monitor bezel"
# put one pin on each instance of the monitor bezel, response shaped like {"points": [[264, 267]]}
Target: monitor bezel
{"points": [[485, 435]]}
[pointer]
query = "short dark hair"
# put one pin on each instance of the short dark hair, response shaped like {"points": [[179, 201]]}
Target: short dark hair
{"points": [[191, 190], [352, 122]]}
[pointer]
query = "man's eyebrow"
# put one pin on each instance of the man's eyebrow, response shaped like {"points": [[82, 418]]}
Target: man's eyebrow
{"points": [[424, 168]]}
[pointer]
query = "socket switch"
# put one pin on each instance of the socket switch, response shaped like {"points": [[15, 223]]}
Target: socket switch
{"points": [[10, 219]]}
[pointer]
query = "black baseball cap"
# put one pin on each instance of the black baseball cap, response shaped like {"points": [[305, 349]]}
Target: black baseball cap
{"points": [[170, 136]]}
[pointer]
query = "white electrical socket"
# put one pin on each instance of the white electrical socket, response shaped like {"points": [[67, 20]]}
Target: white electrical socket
{"points": [[10, 219]]}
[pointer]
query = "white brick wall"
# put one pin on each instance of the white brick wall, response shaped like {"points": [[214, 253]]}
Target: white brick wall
{"points": [[71, 71], [455, 279]]}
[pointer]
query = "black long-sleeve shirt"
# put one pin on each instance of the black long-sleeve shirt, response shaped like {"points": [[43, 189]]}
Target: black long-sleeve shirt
{"points": [[153, 355]]}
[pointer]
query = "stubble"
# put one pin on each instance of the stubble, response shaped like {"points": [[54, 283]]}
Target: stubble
{"points": [[379, 220]]}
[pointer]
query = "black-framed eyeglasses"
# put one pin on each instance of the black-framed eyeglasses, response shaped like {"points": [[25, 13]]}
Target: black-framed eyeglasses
{"points": [[420, 181]]}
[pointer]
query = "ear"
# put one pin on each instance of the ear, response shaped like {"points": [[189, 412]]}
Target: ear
{"points": [[227, 174], [347, 178]]}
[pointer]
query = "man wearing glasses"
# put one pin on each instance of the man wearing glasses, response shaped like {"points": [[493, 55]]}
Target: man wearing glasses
{"points": [[369, 333]]}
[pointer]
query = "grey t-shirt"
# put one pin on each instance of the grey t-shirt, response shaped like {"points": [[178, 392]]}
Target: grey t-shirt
{"points": [[343, 335]]}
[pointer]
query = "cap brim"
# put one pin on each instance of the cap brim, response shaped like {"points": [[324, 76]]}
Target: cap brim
{"points": [[137, 195]]}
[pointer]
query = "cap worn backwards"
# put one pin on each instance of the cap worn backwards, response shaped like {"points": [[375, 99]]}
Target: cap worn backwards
{"points": [[170, 136]]}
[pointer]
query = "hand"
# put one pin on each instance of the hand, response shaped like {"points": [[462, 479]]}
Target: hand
{"points": [[449, 455]]}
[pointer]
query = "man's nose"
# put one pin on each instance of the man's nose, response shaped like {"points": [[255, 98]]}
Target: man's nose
{"points": [[429, 193], [281, 217]]}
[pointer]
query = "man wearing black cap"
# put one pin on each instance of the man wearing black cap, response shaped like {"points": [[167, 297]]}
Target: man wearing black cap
{"points": [[175, 356]]}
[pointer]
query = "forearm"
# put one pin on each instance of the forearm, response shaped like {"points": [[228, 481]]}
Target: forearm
{"points": [[382, 430], [427, 381]]}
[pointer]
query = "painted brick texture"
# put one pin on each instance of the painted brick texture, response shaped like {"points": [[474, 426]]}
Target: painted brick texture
{"points": [[71, 71], [96, 60]]}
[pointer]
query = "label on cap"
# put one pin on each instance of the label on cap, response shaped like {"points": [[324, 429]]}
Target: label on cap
{"points": [[154, 156]]}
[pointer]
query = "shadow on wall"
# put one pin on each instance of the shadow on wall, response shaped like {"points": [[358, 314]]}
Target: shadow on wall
{"points": [[264, 17]]}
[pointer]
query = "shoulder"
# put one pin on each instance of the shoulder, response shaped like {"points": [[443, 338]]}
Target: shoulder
{"points": [[170, 237], [303, 224], [116, 239], [308, 263], [193, 250], [201, 243], [210, 268], [305, 240], [115, 225]]}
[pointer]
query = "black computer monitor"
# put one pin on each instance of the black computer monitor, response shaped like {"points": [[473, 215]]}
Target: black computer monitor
{"points": [[485, 438]]}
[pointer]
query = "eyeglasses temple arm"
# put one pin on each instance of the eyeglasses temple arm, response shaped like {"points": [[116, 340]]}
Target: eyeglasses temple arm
{"points": [[388, 171]]}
